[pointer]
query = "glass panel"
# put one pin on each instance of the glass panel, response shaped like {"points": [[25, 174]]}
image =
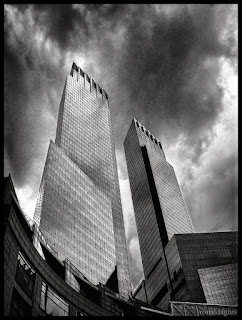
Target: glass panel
{"points": [[49, 307], [52, 303], [25, 275], [42, 297], [42, 300]]}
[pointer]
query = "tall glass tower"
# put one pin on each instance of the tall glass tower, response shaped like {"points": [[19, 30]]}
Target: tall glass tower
{"points": [[160, 210], [79, 208]]}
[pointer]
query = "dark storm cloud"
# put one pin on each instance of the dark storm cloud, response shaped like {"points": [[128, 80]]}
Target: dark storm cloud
{"points": [[31, 77], [163, 69], [160, 65], [166, 71], [28, 122], [59, 21], [213, 198]]}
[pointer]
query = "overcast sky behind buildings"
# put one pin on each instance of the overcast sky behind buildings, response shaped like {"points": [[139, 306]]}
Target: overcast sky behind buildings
{"points": [[172, 67]]}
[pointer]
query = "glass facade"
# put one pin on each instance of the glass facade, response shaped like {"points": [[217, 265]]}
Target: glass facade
{"points": [[177, 279], [160, 210], [220, 284], [201, 268], [79, 208], [142, 151], [79, 225], [205, 250], [52, 303]]}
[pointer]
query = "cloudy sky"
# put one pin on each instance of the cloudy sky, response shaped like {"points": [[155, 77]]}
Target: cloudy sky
{"points": [[172, 67]]}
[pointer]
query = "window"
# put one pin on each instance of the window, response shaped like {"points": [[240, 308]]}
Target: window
{"points": [[147, 133], [52, 303], [156, 141], [137, 124], [88, 79], [25, 275], [142, 128]]}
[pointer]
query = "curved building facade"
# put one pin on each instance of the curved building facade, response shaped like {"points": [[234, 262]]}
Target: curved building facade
{"points": [[38, 283]]}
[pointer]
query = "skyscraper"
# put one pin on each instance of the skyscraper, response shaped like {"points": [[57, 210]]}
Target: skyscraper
{"points": [[79, 208], [159, 207]]}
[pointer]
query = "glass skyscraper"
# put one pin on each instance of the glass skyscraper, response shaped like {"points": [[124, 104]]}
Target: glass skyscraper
{"points": [[155, 190], [79, 208], [159, 207]]}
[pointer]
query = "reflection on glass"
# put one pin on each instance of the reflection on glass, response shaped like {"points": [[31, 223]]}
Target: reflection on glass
{"points": [[52, 303], [42, 298], [25, 275]]}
